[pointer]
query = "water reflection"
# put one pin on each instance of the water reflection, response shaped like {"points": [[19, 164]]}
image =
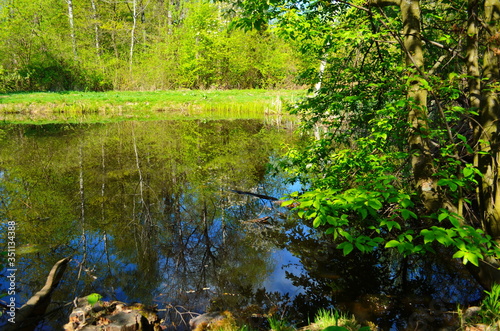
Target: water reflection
{"points": [[393, 291], [147, 212], [144, 208]]}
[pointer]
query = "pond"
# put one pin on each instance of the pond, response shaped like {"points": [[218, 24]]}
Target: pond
{"points": [[182, 215]]}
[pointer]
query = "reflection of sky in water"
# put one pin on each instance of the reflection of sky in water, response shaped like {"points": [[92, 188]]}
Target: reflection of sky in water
{"points": [[96, 252], [124, 277], [277, 280]]}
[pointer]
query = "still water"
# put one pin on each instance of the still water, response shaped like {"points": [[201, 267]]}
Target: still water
{"points": [[155, 212]]}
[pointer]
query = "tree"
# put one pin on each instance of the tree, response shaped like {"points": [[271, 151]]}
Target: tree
{"points": [[72, 26], [131, 45], [406, 151]]}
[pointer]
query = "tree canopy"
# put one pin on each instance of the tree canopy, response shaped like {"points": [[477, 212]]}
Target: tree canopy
{"points": [[405, 111], [135, 45]]}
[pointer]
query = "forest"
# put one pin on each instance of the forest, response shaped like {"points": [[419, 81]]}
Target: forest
{"points": [[53, 45]]}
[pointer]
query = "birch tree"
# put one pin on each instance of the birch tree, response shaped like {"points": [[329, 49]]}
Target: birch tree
{"points": [[96, 25], [72, 27]]}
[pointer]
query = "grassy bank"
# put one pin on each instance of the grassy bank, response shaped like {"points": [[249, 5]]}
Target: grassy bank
{"points": [[85, 107]]}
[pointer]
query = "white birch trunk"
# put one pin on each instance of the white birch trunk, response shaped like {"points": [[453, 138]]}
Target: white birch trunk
{"points": [[72, 26], [96, 27], [132, 33]]}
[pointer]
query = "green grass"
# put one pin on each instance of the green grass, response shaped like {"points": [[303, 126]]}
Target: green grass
{"points": [[490, 307], [88, 107], [279, 325], [333, 320], [325, 318]]}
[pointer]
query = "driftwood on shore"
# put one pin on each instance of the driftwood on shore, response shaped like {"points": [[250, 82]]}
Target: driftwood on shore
{"points": [[31, 313]]}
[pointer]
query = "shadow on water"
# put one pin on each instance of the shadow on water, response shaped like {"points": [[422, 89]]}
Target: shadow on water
{"points": [[147, 211]]}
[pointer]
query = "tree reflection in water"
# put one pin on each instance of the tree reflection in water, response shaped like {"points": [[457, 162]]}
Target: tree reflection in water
{"points": [[147, 212], [144, 208], [395, 292]]}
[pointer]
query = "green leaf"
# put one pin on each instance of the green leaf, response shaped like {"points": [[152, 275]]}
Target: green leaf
{"points": [[331, 220], [455, 221], [345, 234], [406, 203], [287, 203], [443, 238], [391, 224], [306, 203], [443, 216], [462, 137], [332, 230], [428, 236], [392, 243], [335, 328], [407, 214], [347, 247], [363, 213], [361, 247], [468, 172], [473, 258], [93, 298], [317, 221], [375, 204], [443, 182]]}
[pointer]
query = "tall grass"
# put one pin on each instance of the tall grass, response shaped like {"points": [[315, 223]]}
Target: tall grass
{"points": [[490, 307], [115, 106], [276, 324], [333, 320]]}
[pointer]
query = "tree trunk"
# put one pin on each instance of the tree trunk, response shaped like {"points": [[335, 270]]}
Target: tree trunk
{"points": [[421, 159], [485, 101], [96, 27], [421, 156], [72, 26], [33, 311], [487, 129], [132, 34]]}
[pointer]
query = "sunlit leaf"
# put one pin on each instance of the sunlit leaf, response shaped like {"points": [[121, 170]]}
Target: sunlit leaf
{"points": [[346, 247], [392, 243], [375, 204], [93, 298]]}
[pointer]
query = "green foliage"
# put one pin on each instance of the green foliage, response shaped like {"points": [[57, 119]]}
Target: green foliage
{"points": [[185, 44], [325, 318], [93, 298], [490, 307], [357, 165], [334, 320], [277, 324]]}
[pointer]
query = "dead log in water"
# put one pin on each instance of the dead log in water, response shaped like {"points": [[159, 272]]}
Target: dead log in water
{"points": [[31, 313], [261, 196]]}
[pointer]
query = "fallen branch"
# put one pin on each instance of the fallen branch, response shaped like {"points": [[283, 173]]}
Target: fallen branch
{"points": [[33, 311], [262, 196]]}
